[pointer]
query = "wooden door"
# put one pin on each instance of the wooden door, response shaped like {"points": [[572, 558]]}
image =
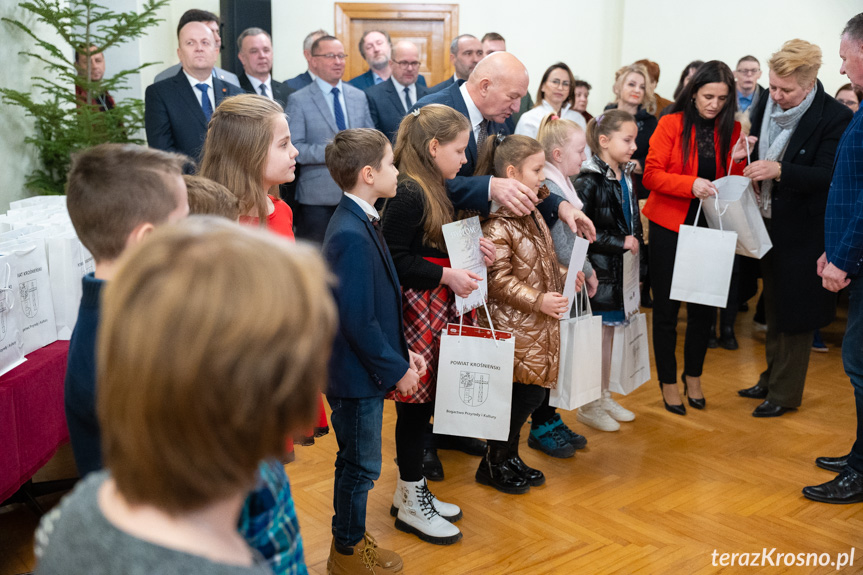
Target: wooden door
{"points": [[430, 26]]}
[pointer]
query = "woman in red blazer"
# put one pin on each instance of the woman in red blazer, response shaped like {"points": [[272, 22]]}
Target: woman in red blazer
{"points": [[691, 147]]}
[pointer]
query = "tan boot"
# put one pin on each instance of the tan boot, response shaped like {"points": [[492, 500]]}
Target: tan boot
{"points": [[366, 559]]}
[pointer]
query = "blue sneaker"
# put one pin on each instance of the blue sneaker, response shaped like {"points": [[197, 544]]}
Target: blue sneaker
{"points": [[546, 438], [571, 437]]}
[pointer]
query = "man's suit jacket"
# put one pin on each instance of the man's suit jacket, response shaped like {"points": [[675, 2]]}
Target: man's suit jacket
{"points": [[442, 85], [370, 354], [280, 91], [299, 81], [222, 75], [469, 192], [386, 107], [173, 118], [366, 80], [312, 127]]}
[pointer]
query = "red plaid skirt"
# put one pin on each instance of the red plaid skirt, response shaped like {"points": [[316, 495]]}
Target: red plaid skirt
{"points": [[426, 314]]}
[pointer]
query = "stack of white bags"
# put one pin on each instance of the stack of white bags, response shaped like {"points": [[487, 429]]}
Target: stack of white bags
{"points": [[41, 266]]}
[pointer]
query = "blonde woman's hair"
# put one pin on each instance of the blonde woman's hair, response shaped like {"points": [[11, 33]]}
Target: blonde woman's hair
{"points": [[797, 58], [414, 161], [205, 368], [553, 133], [237, 147], [649, 102], [498, 152]]}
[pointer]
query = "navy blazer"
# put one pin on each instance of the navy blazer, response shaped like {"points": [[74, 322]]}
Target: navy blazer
{"points": [[386, 106], [366, 80], [280, 91], [469, 192], [442, 85], [299, 81], [370, 354], [173, 118]]}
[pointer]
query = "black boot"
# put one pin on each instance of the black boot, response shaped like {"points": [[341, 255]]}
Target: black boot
{"points": [[534, 477], [432, 467], [494, 471]]}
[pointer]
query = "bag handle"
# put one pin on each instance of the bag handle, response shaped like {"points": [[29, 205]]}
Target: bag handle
{"points": [[718, 212], [583, 298], [490, 325], [748, 157], [7, 291]]}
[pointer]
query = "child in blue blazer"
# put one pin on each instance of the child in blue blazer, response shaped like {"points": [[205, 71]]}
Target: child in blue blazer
{"points": [[370, 355]]}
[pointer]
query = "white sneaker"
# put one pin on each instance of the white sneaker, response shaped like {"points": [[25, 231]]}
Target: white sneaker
{"points": [[594, 416], [418, 515], [448, 511], [614, 409]]}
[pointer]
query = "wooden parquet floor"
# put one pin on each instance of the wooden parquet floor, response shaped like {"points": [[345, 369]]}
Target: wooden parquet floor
{"points": [[657, 497]]}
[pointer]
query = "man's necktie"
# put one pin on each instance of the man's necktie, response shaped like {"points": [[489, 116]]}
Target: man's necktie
{"points": [[408, 102], [483, 135], [338, 112], [376, 224], [264, 91], [205, 101]]}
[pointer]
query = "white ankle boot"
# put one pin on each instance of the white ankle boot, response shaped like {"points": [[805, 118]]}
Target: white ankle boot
{"points": [[448, 511], [594, 416], [614, 409], [417, 514]]}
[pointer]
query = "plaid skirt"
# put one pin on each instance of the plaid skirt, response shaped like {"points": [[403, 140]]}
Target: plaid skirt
{"points": [[426, 314]]}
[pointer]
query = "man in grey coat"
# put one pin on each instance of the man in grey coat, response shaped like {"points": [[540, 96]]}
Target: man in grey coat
{"points": [[316, 113]]}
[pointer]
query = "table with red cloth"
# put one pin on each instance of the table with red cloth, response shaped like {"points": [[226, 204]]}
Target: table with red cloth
{"points": [[32, 417]]}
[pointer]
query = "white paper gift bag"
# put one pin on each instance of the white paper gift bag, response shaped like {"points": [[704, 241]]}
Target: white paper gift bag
{"points": [[736, 205], [34, 304], [630, 356], [703, 264], [474, 382], [68, 261], [579, 375], [11, 353]]}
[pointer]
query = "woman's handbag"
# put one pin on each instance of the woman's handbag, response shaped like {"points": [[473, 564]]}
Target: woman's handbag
{"points": [[474, 382], [579, 376]]}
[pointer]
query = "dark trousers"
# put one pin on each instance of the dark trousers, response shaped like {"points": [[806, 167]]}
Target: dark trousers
{"points": [[311, 221], [663, 247], [411, 425], [357, 425], [728, 314], [525, 399], [544, 413], [787, 353], [852, 358]]}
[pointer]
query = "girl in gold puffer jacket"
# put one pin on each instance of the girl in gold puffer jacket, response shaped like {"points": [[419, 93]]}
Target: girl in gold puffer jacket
{"points": [[525, 284]]}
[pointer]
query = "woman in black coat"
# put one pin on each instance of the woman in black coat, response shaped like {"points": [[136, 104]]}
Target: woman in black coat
{"points": [[798, 128]]}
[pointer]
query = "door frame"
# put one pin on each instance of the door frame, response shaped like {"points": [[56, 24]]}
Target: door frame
{"points": [[345, 12]]}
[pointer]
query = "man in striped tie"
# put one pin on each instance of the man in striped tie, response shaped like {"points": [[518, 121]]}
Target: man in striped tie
{"points": [[316, 114]]}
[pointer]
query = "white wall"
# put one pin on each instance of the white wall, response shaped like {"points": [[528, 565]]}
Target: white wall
{"points": [[595, 37]]}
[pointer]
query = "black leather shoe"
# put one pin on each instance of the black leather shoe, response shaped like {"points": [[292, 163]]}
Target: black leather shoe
{"points": [[699, 403], [712, 342], [835, 464], [469, 445], [757, 391], [432, 467], [727, 339], [846, 488], [501, 477], [767, 409], [646, 300], [534, 477], [675, 409]]}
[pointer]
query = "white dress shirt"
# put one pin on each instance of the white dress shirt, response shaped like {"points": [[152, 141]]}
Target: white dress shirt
{"points": [[209, 82], [369, 209], [327, 89], [256, 84], [400, 90]]}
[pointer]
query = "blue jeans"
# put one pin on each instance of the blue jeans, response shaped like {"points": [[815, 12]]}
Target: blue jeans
{"points": [[357, 424], [852, 358]]}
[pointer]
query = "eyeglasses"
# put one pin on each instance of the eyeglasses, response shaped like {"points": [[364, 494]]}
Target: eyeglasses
{"points": [[339, 57], [749, 72], [558, 83], [406, 64]]}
